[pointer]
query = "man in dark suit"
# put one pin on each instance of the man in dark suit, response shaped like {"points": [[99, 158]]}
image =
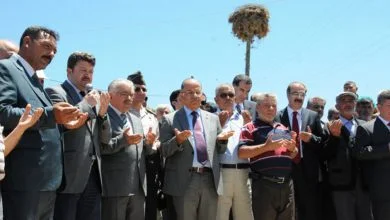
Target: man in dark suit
{"points": [[373, 146], [191, 140], [34, 167], [81, 197], [309, 132], [344, 172], [242, 85], [123, 158]]}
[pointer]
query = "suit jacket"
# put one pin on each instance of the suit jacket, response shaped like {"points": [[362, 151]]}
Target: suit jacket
{"points": [[251, 107], [179, 158], [81, 144], [123, 165], [341, 161], [36, 162], [312, 149], [372, 145]]}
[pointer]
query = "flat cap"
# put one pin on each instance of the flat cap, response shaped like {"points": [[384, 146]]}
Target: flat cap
{"points": [[343, 94]]}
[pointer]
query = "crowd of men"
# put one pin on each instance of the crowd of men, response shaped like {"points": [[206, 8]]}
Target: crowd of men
{"points": [[74, 152]]}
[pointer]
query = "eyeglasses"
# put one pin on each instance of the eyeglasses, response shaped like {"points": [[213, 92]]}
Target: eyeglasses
{"points": [[225, 95], [138, 89], [192, 93], [301, 94], [125, 94], [318, 106]]}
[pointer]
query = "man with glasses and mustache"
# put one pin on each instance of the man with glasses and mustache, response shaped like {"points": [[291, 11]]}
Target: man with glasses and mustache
{"points": [[305, 169], [234, 170], [150, 125]]}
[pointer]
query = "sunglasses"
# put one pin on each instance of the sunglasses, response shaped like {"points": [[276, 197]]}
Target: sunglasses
{"points": [[225, 95], [138, 89]]}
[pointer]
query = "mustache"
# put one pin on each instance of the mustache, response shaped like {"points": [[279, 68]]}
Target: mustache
{"points": [[49, 58], [298, 100]]}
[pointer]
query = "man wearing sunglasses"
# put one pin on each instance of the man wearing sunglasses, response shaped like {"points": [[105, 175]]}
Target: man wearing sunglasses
{"points": [[234, 170], [150, 125]]}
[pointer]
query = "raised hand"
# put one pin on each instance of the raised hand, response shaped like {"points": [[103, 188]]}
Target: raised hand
{"points": [[92, 98], [223, 117], [224, 136], [272, 145], [246, 115], [80, 121], [305, 136], [104, 102], [65, 112], [335, 127], [27, 120], [132, 138], [181, 136], [150, 137]]}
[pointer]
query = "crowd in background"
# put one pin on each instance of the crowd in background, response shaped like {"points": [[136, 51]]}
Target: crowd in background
{"points": [[73, 152]]}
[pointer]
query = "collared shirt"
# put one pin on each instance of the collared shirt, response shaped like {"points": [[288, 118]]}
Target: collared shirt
{"points": [[148, 121], [75, 89], [290, 112], [384, 121], [235, 123], [195, 162], [351, 125], [119, 113], [25, 64]]}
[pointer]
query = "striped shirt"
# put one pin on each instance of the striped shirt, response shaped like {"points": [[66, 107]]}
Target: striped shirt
{"points": [[271, 163]]}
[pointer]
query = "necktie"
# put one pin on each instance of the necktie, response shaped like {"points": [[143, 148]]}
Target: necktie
{"points": [[124, 120], [82, 93], [200, 142], [295, 128], [238, 107]]}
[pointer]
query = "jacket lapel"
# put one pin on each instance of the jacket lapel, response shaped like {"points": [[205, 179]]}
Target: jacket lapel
{"points": [[34, 84], [71, 92], [206, 129]]}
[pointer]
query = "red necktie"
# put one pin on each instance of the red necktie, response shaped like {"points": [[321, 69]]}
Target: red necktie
{"points": [[295, 128], [200, 142]]}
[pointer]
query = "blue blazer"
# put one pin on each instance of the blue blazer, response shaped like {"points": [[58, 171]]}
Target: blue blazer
{"points": [[36, 162]]}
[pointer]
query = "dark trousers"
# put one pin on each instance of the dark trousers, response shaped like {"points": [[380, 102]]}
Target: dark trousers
{"points": [[381, 210], [28, 205], [306, 194], [326, 205], [170, 213], [81, 206], [272, 201], [153, 166]]}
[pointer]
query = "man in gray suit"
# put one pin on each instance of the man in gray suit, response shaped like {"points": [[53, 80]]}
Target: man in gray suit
{"points": [[242, 85], [191, 140], [123, 157], [81, 197], [34, 167]]}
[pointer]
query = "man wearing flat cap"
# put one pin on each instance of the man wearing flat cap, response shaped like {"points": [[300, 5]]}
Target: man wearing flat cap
{"points": [[150, 125], [345, 172]]}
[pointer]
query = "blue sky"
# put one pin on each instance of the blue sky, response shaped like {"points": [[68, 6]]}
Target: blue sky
{"points": [[321, 43]]}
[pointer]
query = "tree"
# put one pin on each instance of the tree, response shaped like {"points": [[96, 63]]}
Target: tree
{"points": [[248, 22]]}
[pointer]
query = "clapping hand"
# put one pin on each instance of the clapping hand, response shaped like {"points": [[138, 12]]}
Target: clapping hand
{"points": [[132, 138], [335, 127], [224, 136], [26, 120], [305, 136], [181, 136]]}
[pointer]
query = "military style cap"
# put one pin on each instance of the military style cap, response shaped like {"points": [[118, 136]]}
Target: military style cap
{"points": [[137, 78]]}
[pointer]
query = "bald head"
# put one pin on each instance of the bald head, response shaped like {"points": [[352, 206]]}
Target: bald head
{"points": [[6, 49]]}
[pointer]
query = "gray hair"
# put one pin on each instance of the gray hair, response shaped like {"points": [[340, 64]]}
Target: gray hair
{"points": [[311, 100], [163, 106], [262, 96], [223, 85], [293, 83], [115, 83]]}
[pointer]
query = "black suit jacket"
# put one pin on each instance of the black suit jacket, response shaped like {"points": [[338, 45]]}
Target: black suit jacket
{"points": [[36, 162], [343, 168], [312, 149], [372, 145]]}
